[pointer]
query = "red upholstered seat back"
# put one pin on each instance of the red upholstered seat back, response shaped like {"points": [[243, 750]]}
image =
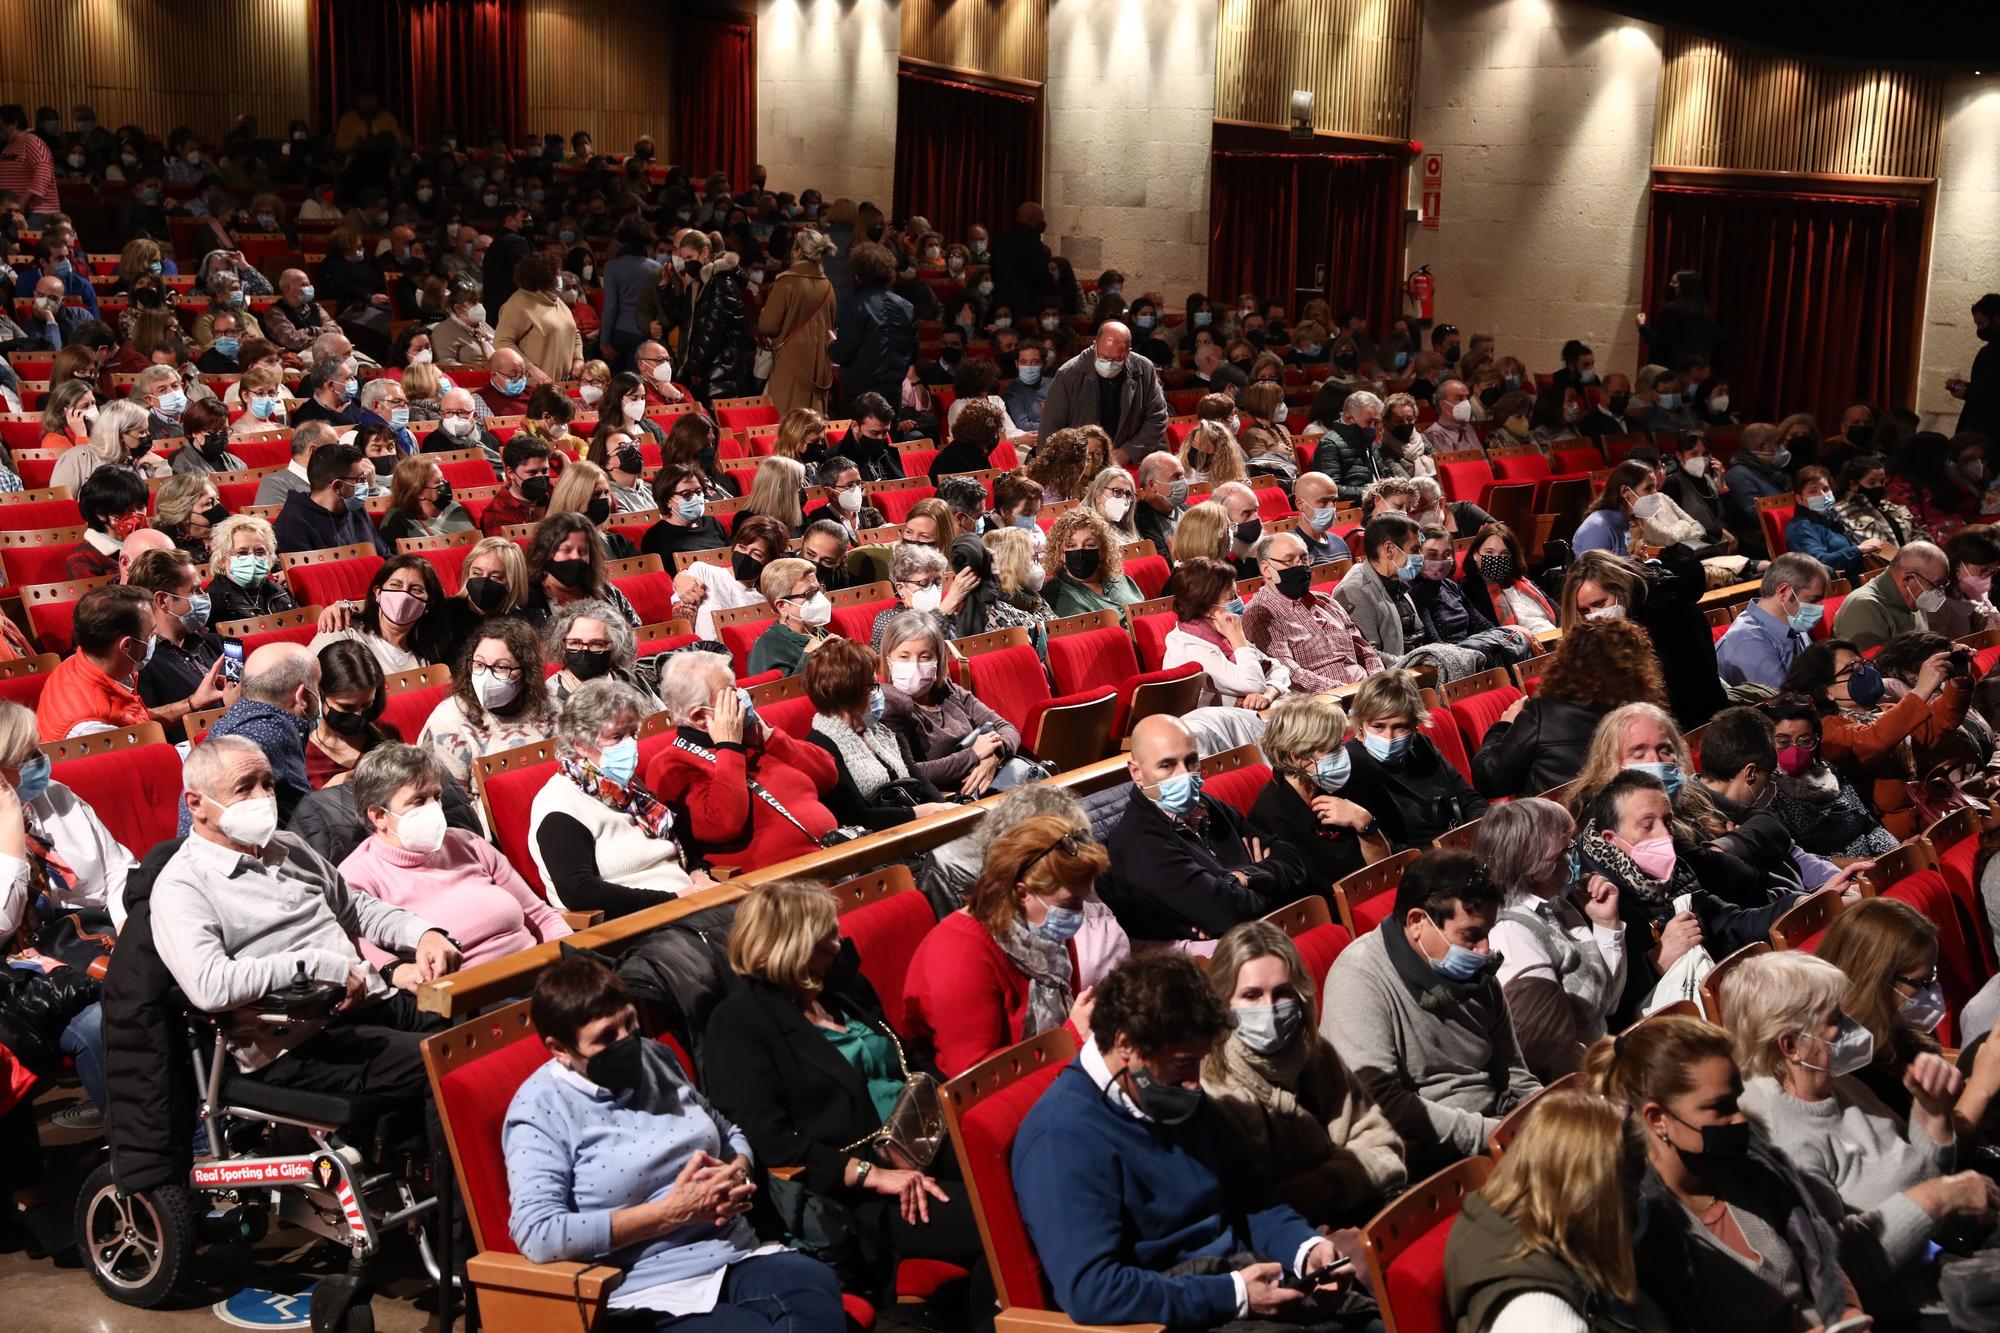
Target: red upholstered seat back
{"points": [[897, 504], [510, 795], [1464, 481], [475, 1097], [740, 638], [985, 1147], [1775, 521], [917, 462], [1150, 634], [24, 690], [406, 713], [35, 564], [1010, 682], [1150, 572], [1959, 973], [858, 622], [1238, 788], [449, 562], [1091, 660], [1443, 731], [651, 595], [1318, 948], [666, 645], [136, 792], [1476, 714], [34, 515], [467, 472], [1416, 1284], [305, 633], [1830, 607], [886, 935], [1522, 467], [744, 418], [1579, 458], [334, 581], [792, 716], [1272, 504], [52, 624]]}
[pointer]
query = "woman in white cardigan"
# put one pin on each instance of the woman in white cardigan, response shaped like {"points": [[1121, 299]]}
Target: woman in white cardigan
{"points": [[1208, 633]]}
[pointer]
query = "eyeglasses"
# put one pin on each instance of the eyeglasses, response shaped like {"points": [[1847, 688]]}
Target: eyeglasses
{"points": [[504, 670], [1802, 743], [1071, 843]]}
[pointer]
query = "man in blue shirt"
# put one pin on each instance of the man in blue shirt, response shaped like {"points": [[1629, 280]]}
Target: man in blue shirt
{"points": [[53, 259], [1127, 1178], [1760, 644], [1030, 389]]}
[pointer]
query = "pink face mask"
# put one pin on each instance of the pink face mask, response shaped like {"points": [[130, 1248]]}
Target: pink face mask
{"points": [[1655, 857], [1794, 760], [1975, 586]]}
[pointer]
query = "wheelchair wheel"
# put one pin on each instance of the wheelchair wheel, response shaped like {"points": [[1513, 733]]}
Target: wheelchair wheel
{"points": [[137, 1248]]}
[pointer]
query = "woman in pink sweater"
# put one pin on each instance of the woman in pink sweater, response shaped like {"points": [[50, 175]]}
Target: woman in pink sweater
{"points": [[453, 879]]}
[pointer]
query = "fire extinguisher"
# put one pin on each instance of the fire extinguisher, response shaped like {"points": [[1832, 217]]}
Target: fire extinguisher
{"points": [[1421, 287]]}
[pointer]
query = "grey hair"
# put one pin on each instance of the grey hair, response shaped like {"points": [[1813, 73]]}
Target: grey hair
{"points": [[1262, 550], [811, 244], [207, 761], [904, 626], [591, 708], [1649, 376], [153, 376], [312, 435], [323, 350], [1796, 568], [276, 685], [1232, 488], [1360, 401], [963, 494], [1912, 552], [690, 682], [909, 561], [1153, 464], [387, 769], [1514, 840], [1428, 491], [623, 645], [1025, 802], [374, 391], [825, 527]]}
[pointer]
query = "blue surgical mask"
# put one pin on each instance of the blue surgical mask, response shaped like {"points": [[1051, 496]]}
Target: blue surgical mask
{"points": [[1178, 794], [227, 345], [1575, 861], [1060, 925], [512, 388], [1669, 402], [1459, 963], [620, 760], [1025, 522], [1145, 323], [1669, 776], [263, 408], [349, 389], [62, 268], [399, 417], [1821, 503], [1386, 751], [1323, 518], [1029, 375], [1203, 318], [173, 402], [1330, 774], [691, 508], [1806, 617], [196, 616], [1400, 360], [1268, 1028], [306, 292], [1413, 565], [34, 778], [877, 704], [248, 570]]}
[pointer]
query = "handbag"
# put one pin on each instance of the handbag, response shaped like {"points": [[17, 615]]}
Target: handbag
{"points": [[913, 1131]]}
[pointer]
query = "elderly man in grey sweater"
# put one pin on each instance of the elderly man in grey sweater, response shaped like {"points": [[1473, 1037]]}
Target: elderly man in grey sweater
{"points": [[241, 907], [1414, 1010]]}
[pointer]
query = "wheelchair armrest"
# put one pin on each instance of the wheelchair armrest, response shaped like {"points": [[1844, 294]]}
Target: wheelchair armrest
{"points": [[517, 1293]]}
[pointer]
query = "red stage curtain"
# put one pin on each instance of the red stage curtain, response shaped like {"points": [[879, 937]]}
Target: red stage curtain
{"points": [[714, 90], [1815, 293], [436, 64], [965, 153], [1275, 218]]}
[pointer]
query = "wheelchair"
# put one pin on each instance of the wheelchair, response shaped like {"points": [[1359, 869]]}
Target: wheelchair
{"points": [[272, 1153]]}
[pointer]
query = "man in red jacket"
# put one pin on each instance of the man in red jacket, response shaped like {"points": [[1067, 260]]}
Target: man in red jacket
{"points": [[747, 794]]}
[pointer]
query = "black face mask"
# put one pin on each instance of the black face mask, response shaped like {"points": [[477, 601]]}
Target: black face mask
{"points": [[535, 490], [1346, 361], [1294, 583], [587, 663], [1249, 530], [631, 462], [598, 510], [1873, 494], [1167, 1103], [214, 448], [1402, 431], [347, 724], [618, 1067], [1618, 402], [1492, 395], [744, 566], [142, 448], [1722, 1147], [443, 494], [214, 514], [384, 465], [1083, 564], [484, 594], [572, 574]]}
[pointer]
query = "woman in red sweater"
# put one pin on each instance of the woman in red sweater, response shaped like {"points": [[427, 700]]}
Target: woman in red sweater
{"points": [[1003, 968], [718, 749]]}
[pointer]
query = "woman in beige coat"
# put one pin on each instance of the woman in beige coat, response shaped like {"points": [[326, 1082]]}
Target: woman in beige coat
{"points": [[536, 323], [797, 325], [1307, 1126]]}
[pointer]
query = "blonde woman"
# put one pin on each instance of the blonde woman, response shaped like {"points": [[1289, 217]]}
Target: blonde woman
{"points": [[585, 488], [1312, 1133], [1018, 574], [1202, 533], [1084, 569], [1110, 496], [245, 579], [591, 387], [1307, 803], [1547, 1245], [140, 258], [424, 387], [1210, 453], [494, 579], [117, 439], [776, 490], [263, 392], [802, 436]]}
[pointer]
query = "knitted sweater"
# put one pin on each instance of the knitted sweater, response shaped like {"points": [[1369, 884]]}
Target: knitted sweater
{"points": [[465, 888]]}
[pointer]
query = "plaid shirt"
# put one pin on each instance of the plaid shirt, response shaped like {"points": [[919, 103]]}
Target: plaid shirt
{"points": [[1313, 636]]}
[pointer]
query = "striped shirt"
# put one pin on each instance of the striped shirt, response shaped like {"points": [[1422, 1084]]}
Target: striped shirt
{"points": [[28, 168], [1313, 636]]}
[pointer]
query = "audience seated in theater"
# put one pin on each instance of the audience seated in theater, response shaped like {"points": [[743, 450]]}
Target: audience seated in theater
{"points": [[1067, 461], [1377, 592], [499, 699], [1817, 805], [616, 448], [954, 742], [1539, 743], [1313, 1134], [1202, 533], [775, 492], [1348, 450], [1140, 1204], [1944, 482], [1234, 671], [702, 589], [801, 1057], [931, 522], [525, 486], [1817, 529], [613, 1156], [1105, 385], [792, 587], [1760, 644], [1449, 616], [1559, 937], [593, 643], [1886, 1178], [1868, 744], [1664, 600], [1897, 600], [1085, 567], [1706, 1159], [1313, 495], [452, 877], [183, 674], [353, 693], [1162, 499], [205, 425], [421, 504], [1267, 446], [95, 687], [986, 606], [1005, 967], [1185, 866], [878, 786], [1452, 432], [143, 541], [1210, 452], [1623, 507], [1302, 805], [1414, 1009], [602, 840], [113, 504], [1413, 791], [1110, 494], [567, 565], [685, 524], [1300, 627], [1866, 507], [1973, 554], [307, 439], [328, 512], [924, 583], [493, 581]]}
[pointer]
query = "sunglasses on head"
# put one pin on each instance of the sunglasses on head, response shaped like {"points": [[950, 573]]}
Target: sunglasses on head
{"points": [[1072, 844]]}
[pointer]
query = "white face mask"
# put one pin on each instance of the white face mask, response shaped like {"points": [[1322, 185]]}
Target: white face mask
{"points": [[1719, 403], [913, 677], [421, 830], [494, 691], [457, 427], [926, 599], [475, 314], [1646, 505], [1695, 467], [1115, 507], [664, 372], [422, 358], [590, 393], [250, 822], [815, 611], [849, 499], [1462, 410], [1280, 412], [1609, 611], [633, 408]]}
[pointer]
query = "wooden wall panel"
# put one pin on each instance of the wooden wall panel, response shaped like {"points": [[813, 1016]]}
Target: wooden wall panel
{"points": [[1357, 57], [601, 66], [1007, 39], [1734, 108], [156, 64]]}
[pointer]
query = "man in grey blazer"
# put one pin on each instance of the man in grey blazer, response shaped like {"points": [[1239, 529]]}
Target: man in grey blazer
{"points": [[1108, 384], [1374, 592], [275, 486]]}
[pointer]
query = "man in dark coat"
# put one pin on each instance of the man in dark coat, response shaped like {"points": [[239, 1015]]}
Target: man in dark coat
{"points": [[1020, 266]]}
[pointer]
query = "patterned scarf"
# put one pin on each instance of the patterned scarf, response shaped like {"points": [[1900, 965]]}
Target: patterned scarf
{"points": [[1658, 895], [1046, 964], [871, 755], [646, 809]]}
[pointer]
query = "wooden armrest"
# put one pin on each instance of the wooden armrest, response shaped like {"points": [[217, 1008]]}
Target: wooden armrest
{"points": [[785, 1172], [582, 920], [516, 1293], [723, 874], [1016, 1320]]}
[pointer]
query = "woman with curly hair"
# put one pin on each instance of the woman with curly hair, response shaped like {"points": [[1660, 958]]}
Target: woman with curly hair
{"points": [[1066, 461], [1085, 566], [1539, 743]]}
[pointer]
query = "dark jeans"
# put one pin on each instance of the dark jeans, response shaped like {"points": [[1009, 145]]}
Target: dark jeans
{"points": [[772, 1293]]}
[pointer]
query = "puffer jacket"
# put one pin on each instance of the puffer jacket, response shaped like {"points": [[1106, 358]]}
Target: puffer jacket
{"points": [[1347, 458], [150, 1123], [875, 342], [716, 353], [35, 1006]]}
